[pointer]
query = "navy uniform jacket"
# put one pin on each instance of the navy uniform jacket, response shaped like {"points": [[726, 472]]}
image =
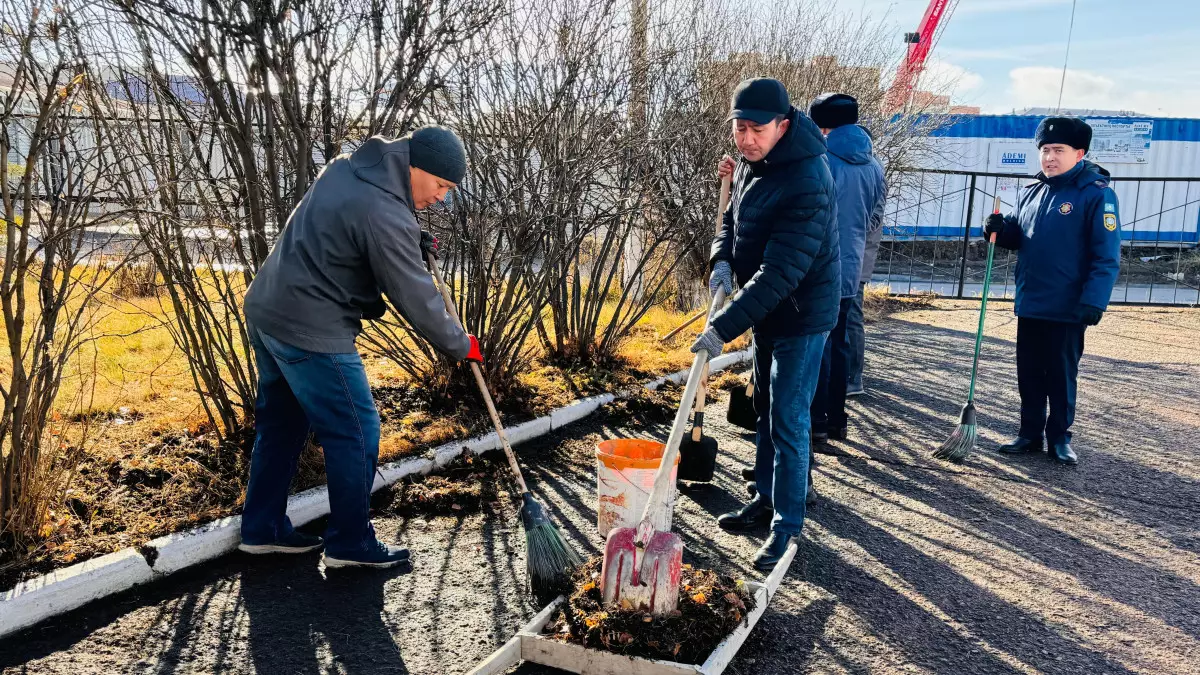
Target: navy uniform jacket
{"points": [[1067, 234]]}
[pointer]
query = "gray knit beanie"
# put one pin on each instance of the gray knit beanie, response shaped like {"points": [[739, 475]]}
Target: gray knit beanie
{"points": [[438, 151]]}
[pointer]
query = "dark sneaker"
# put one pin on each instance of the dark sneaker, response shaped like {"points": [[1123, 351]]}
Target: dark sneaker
{"points": [[381, 555], [296, 542], [772, 551], [756, 513], [748, 474], [837, 434], [810, 496], [1063, 453], [1020, 446], [752, 488]]}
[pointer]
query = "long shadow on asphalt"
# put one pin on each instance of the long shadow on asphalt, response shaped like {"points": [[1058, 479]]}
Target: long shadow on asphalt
{"points": [[283, 628], [1137, 585], [927, 638]]}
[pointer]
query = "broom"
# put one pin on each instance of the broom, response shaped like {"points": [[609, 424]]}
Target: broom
{"points": [[549, 560], [959, 445]]}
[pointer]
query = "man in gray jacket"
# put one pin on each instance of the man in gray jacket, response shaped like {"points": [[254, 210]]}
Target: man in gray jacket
{"points": [[855, 331], [352, 236]]}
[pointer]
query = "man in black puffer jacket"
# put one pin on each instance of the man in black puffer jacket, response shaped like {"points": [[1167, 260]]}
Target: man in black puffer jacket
{"points": [[780, 241]]}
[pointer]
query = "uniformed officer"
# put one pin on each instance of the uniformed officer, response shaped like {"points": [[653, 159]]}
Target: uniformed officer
{"points": [[1067, 235]]}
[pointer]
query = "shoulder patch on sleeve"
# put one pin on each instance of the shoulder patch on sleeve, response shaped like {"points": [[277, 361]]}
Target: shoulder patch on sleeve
{"points": [[1110, 207], [1101, 184]]}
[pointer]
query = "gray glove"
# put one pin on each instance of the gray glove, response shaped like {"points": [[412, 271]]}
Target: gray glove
{"points": [[709, 342], [721, 277]]}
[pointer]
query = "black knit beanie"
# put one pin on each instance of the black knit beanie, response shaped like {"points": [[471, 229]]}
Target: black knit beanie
{"points": [[831, 111], [1070, 131], [438, 151]]}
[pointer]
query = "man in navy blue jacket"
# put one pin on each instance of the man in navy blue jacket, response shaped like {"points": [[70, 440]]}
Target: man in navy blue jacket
{"points": [[1067, 235], [860, 194], [780, 241]]}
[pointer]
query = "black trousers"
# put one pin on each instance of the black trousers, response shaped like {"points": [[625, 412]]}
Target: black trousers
{"points": [[1048, 354], [829, 405]]}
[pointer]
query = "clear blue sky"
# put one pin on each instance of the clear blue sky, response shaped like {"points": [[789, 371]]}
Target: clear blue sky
{"points": [[1141, 55]]}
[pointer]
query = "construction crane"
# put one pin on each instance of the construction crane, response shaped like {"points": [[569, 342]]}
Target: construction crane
{"points": [[919, 44]]}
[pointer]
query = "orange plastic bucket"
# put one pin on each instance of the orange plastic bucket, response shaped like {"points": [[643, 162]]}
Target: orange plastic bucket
{"points": [[625, 470]]}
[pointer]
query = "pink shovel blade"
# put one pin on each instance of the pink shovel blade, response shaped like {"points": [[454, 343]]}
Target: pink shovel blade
{"points": [[646, 580]]}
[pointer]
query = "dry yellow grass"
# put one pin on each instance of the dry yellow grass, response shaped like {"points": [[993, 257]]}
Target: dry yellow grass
{"points": [[878, 303]]}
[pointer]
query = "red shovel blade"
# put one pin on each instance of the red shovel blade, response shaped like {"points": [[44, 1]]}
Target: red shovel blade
{"points": [[646, 580]]}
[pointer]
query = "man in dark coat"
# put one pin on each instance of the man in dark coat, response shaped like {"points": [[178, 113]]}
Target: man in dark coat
{"points": [[780, 241], [1067, 235], [858, 177]]}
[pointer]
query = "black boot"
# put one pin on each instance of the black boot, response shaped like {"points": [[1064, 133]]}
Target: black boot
{"points": [[748, 474], [752, 488], [1063, 453], [837, 434], [755, 514], [810, 497], [771, 551], [1020, 446]]}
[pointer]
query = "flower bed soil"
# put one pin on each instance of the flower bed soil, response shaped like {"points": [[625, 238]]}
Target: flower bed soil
{"points": [[469, 484], [711, 606]]}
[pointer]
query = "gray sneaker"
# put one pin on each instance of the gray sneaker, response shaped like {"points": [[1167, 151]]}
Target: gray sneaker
{"points": [[853, 390], [296, 542]]}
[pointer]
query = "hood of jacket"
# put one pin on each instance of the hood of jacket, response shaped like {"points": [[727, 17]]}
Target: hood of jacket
{"points": [[851, 143], [384, 164], [803, 140]]}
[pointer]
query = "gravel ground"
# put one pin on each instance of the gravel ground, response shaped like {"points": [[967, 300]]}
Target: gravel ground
{"points": [[907, 565]]}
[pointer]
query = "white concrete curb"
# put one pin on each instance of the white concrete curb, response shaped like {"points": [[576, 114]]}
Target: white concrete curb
{"points": [[63, 590]]}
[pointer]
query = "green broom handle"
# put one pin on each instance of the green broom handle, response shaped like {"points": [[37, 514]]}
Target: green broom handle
{"points": [[987, 285]]}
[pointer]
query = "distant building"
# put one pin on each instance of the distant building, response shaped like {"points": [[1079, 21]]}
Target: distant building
{"points": [[1078, 112], [964, 110]]}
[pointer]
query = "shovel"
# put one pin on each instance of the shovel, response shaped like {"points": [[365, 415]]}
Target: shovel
{"points": [[697, 452], [643, 564], [741, 408]]}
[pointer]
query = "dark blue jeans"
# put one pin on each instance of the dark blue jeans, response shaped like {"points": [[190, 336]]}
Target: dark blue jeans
{"points": [[785, 372], [1048, 354], [300, 390], [858, 340], [829, 403]]}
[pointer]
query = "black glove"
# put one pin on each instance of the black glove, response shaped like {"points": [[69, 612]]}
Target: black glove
{"points": [[993, 225], [374, 309], [1089, 315], [429, 244]]}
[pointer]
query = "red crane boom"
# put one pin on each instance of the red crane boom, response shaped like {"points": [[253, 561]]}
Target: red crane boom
{"points": [[919, 45]]}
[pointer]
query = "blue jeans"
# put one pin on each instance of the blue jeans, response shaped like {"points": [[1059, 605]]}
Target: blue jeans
{"points": [[300, 390], [829, 403], [785, 370], [858, 340]]}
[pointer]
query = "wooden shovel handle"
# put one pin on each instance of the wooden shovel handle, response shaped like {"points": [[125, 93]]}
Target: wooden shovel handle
{"points": [[662, 478], [698, 411], [479, 381], [691, 320]]}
